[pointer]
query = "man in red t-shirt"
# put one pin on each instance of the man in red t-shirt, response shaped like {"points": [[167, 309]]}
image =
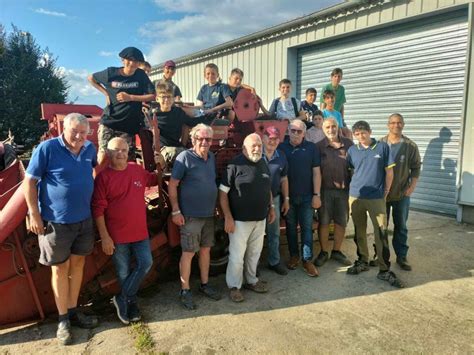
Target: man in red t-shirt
{"points": [[118, 207]]}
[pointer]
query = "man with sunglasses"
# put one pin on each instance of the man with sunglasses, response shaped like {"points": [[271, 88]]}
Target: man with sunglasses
{"points": [[304, 176], [193, 208]]}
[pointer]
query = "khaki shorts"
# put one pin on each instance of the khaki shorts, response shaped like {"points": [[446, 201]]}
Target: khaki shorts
{"points": [[334, 206], [62, 240], [105, 134], [197, 233], [170, 154]]}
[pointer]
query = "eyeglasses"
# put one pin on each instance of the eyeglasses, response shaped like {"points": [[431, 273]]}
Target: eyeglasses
{"points": [[296, 131], [165, 97], [203, 139]]}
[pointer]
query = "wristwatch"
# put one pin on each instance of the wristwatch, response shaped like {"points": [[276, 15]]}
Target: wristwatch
{"points": [[316, 194]]}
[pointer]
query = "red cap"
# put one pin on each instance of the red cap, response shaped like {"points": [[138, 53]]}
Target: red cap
{"points": [[272, 132], [170, 64]]}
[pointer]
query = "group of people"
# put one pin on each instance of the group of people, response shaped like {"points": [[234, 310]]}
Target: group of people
{"points": [[313, 166]]}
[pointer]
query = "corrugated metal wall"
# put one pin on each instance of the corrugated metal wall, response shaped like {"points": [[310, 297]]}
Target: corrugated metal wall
{"points": [[416, 69], [265, 61]]}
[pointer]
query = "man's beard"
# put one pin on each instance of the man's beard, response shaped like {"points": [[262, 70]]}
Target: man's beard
{"points": [[255, 157]]}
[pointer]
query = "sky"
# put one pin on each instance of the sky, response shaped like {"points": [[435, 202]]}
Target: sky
{"points": [[85, 36]]}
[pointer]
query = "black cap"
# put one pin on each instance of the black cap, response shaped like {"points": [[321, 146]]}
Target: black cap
{"points": [[132, 53]]}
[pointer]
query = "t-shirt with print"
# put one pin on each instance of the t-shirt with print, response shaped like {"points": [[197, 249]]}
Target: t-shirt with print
{"points": [[310, 109], [248, 187], [213, 95], [119, 196], [124, 116], [368, 180], [197, 190], [284, 108]]}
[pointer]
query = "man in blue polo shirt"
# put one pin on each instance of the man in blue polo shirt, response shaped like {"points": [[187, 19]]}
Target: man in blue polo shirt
{"points": [[193, 206], [58, 190], [278, 166], [304, 176], [372, 165]]}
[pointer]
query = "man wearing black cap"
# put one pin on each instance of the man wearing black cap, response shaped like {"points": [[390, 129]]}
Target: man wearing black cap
{"points": [[169, 70], [125, 89]]}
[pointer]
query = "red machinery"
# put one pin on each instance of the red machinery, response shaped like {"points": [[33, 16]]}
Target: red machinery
{"points": [[25, 284]]}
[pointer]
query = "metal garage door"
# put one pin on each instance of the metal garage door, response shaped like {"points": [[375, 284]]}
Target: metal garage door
{"points": [[416, 69]]}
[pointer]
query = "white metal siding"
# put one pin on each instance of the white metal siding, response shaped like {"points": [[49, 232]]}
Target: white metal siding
{"points": [[416, 69]]}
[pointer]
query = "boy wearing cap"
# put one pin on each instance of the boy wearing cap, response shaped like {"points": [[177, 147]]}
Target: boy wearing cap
{"points": [[125, 89], [169, 70], [278, 166]]}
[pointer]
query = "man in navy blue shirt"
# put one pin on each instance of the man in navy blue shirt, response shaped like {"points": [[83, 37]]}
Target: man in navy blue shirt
{"points": [[58, 190], [304, 176], [278, 166], [193, 209], [372, 178]]}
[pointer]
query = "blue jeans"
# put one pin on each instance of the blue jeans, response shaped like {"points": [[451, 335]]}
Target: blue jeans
{"points": [[400, 232], [129, 279], [301, 212], [272, 231]]}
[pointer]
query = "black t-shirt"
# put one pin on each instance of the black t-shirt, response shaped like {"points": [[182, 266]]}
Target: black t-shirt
{"points": [[250, 186], [171, 124], [124, 116]]}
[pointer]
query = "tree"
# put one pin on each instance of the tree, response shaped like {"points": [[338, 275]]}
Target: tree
{"points": [[28, 77]]}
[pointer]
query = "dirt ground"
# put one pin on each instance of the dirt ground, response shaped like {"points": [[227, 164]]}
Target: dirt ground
{"points": [[334, 313]]}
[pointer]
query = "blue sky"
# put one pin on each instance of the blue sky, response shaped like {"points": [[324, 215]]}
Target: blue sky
{"points": [[86, 35]]}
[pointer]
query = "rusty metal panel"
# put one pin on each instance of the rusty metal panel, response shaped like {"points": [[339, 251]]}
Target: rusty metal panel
{"points": [[417, 69]]}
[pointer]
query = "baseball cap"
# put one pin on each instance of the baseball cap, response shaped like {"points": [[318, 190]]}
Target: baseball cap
{"points": [[132, 53], [272, 132], [170, 64]]}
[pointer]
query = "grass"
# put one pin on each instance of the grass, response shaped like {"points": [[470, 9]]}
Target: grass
{"points": [[143, 341]]}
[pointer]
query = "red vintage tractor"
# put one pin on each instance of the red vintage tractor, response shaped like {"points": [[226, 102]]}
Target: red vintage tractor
{"points": [[25, 284]]}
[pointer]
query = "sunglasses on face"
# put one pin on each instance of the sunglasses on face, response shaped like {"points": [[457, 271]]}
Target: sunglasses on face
{"points": [[203, 139], [296, 131]]}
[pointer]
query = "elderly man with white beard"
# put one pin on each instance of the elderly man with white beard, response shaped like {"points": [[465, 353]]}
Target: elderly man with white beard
{"points": [[246, 200]]}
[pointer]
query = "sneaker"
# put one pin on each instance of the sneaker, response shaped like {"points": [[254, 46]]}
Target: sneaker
{"points": [[81, 320], [133, 312], [293, 262], [259, 287], [186, 298], [279, 269], [122, 309], [338, 256], [321, 259], [358, 267], [403, 263], [210, 292], [310, 269], [236, 295], [63, 334], [391, 278]]}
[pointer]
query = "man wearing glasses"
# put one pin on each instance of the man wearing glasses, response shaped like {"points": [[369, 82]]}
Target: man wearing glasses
{"points": [[171, 120], [193, 209], [304, 176]]}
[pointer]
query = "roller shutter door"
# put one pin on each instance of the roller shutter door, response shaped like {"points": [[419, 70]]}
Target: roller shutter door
{"points": [[416, 69]]}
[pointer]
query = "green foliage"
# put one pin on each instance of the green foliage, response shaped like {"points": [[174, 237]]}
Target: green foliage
{"points": [[28, 77]]}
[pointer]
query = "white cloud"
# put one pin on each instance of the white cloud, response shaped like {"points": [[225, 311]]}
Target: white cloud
{"points": [[106, 53], [80, 90], [203, 25], [49, 12]]}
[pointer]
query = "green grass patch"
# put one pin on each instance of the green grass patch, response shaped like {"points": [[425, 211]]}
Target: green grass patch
{"points": [[143, 340]]}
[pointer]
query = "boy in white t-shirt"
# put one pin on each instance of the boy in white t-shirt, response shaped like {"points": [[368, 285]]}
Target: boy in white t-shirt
{"points": [[286, 107]]}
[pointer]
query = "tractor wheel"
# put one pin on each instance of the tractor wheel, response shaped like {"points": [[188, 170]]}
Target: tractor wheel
{"points": [[220, 250]]}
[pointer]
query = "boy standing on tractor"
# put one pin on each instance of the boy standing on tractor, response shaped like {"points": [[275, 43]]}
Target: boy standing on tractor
{"points": [[125, 89]]}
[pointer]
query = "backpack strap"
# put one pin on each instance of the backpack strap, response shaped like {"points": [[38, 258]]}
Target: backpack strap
{"points": [[295, 107], [275, 101]]}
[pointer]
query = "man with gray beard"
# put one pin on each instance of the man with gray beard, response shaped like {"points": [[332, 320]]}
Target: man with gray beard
{"points": [[246, 200]]}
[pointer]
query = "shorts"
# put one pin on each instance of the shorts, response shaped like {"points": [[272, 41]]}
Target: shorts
{"points": [[62, 240], [334, 206], [197, 233], [170, 154], [105, 134]]}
